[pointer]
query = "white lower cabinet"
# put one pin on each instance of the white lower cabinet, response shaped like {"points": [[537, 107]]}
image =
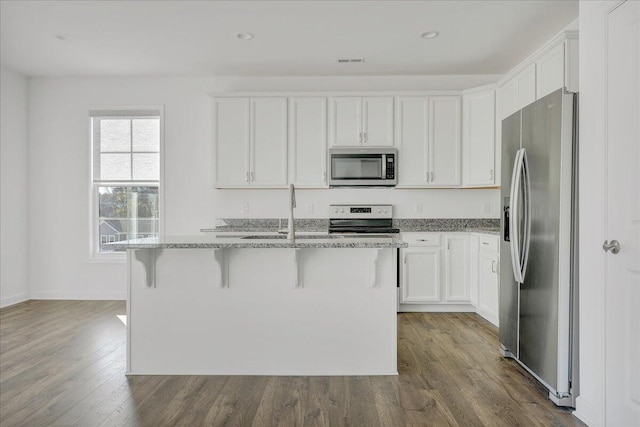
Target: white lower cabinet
{"points": [[457, 268], [421, 275], [435, 272], [488, 283], [488, 277], [455, 272]]}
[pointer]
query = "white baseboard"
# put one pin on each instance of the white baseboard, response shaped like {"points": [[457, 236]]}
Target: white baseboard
{"points": [[14, 299], [488, 316], [436, 308], [588, 413], [75, 295]]}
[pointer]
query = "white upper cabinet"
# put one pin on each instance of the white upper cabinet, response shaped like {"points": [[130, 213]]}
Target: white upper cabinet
{"points": [[308, 142], [377, 125], [526, 86], [479, 138], [518, 92], [269, 142], [346, 121], [412, 124], [250, 140], [362, 121], [444, 141], [231, 118], [429, 141], [550, 71], [554, 66]]}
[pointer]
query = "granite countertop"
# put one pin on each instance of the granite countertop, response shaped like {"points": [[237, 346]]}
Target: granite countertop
{"points": [[223, 241], [406, 225]]}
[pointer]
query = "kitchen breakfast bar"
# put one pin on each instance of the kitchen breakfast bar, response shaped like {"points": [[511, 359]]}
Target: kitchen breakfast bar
{"points": [[261, 305]]}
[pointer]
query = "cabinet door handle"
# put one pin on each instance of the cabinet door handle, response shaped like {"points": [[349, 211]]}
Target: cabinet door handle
{"points": [[324, 176], [491, 174], [246, 176], [427, 173], [431, 175], [493, 266], [360, 137], [365, 137], [253, 176]]}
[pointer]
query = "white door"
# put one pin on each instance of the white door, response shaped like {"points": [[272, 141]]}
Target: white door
{"points": [[420, 275], [479, 138], [346, 121], [457, 284], [413, 116], [231, 141], [377, 123], [308, 142], [623, 216], [488, 286], [444, 140], [269, 142]]}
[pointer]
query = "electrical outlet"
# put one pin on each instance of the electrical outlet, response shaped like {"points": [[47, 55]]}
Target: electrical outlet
{"points": [[309, 208], [486, 208], [244, 209], [419, 208]]}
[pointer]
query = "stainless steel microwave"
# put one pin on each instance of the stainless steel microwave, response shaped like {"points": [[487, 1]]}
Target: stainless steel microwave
{"points": [[363, 167]]}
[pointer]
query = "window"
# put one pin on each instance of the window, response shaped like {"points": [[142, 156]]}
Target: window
{"points": [[125, 177]]}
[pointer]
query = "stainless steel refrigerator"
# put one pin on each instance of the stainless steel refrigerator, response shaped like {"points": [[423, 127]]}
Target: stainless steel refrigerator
{"points": [[538, 250]]}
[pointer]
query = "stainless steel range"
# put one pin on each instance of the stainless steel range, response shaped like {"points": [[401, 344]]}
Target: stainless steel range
{"points": [[361, 219]]}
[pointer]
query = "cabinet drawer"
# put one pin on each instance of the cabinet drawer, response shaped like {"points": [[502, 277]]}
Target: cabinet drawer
{"points": [[422, 239], [489, 243]]}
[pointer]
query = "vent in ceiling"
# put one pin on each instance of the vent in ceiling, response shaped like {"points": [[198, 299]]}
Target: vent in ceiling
{"points": [[350, 60]]}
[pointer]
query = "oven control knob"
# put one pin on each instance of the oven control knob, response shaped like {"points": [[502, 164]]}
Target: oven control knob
{"points": [[341, 210], [379, 211], [384, 211]]}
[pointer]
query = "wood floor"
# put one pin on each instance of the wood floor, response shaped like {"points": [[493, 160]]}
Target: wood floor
{"points": [[63, 363]]}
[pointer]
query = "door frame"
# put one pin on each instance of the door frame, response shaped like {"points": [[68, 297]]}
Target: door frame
{"points": [[593, 147]]}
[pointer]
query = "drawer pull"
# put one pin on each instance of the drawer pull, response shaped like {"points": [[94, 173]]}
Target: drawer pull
{"points": [[422, 240], [485, 243]]}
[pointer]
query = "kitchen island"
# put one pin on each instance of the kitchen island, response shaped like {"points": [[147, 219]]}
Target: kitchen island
{"points": [[262, 305]]}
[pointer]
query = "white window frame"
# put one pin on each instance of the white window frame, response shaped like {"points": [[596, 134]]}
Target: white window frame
{"points": [[94, 239]]}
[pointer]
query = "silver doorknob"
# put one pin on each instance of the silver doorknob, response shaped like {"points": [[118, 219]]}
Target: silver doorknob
{"points": [[613, 247]]}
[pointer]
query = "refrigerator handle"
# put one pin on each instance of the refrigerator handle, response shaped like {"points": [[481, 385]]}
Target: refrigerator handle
{"points": [[505, 236], [514, 217], [526, 197]]}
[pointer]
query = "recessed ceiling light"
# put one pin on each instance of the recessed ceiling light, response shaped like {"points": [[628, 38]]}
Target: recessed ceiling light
{"points": [[62, 36], [245, 36], [429, 34]]}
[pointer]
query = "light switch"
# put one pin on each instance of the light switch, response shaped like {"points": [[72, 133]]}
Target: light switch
{"points": [[419, 208], [486, 208], [244, 209]]}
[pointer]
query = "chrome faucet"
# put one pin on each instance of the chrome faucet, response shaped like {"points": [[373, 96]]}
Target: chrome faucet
{"points": [[292, 204]]}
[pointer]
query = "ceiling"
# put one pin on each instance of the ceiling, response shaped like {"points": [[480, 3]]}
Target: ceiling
{"points": [[292, 38]]}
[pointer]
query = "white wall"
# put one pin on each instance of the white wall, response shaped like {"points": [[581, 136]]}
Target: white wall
{"points": [[14, 231], [59, 169], [590, 403]]}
